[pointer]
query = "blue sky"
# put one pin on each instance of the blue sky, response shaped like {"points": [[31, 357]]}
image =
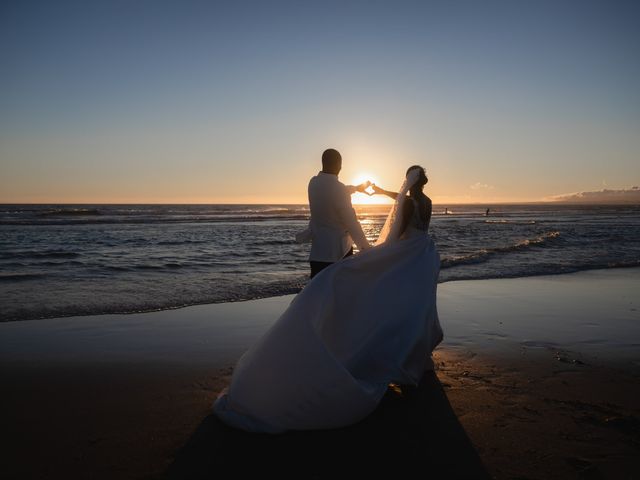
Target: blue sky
{"points": [[194, 101]]}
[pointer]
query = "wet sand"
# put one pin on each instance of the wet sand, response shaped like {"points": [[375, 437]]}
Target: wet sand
{"points": [[537, 378]]}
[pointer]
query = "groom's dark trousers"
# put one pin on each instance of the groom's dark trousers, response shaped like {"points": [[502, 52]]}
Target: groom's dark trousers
{"points": [[317, 267]]}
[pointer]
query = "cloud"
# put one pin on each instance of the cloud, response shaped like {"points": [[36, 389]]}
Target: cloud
{"points": [[625, 195], [480, 186]]}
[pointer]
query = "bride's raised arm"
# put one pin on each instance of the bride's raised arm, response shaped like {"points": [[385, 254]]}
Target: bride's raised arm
{"points": [[382, 191]]}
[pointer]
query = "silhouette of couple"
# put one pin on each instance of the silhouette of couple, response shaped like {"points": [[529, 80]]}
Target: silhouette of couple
{"points": [[334, 226], [362, 322]]}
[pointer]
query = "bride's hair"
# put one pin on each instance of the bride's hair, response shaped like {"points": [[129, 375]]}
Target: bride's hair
{"points": [[422, 179]]}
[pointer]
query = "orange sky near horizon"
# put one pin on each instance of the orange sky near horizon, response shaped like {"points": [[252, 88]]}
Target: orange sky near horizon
{"points": [[214, 102]]}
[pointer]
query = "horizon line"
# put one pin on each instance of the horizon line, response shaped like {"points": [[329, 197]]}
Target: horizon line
{"points": [[533, 202]]}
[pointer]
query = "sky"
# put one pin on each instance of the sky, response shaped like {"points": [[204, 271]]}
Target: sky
{"points": [[142, 101]]}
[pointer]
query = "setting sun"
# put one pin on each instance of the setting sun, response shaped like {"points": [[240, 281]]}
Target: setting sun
{"points": [[362, 198]]}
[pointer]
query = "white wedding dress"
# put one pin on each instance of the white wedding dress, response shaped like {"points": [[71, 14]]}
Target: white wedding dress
{"points": [[359, 325]]}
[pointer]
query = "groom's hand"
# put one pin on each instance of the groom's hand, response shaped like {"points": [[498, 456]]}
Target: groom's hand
{"points": [[363, 187]]}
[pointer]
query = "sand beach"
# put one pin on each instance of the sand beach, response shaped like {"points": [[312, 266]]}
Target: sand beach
{"points": [[537, 377]]}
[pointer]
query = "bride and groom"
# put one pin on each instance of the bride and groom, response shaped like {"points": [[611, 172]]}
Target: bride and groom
{"points": [[362, 322]]}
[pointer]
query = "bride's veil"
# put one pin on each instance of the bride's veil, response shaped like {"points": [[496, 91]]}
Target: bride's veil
{"points": [[391, 230]]}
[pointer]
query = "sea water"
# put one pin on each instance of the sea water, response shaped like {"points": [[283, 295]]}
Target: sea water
{"points": [[63, 260]]}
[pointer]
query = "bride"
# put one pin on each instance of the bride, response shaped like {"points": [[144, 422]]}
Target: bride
{"points": [[359, 325]]}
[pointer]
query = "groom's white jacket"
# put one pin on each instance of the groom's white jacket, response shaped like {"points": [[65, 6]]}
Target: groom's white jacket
{"points": [[334, 225]]}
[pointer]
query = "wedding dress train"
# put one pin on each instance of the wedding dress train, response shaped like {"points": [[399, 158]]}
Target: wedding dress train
{"points": [[360, 324]]}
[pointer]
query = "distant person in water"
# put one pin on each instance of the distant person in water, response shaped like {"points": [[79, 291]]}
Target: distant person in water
{"points": [[446, 211], [333, 227], [486, 214]]}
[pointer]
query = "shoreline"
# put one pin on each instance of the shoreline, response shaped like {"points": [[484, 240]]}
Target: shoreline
{"points": [[164, 335], [541, 372], [180, 307]]}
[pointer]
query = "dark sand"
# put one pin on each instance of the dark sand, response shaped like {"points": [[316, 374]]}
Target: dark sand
{"points": [[412, 429], [541, 416], [538, 378]]}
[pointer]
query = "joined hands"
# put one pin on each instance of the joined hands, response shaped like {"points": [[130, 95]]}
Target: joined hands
{"points": [[362, 188]]}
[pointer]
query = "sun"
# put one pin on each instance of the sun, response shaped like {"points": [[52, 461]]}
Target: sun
{"points": [[363, 177], [363, 198]]}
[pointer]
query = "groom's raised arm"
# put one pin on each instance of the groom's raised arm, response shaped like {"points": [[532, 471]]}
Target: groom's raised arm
{"points": [[351, 189], [350, 221]]}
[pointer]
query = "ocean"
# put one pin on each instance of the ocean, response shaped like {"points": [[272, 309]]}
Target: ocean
{"points": [[66, 260]]}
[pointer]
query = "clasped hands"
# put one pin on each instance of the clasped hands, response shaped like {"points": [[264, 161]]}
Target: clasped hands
{"points": [[364, 188]]}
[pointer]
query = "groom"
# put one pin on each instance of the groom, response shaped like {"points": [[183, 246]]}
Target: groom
{"points": [[334, 226]]}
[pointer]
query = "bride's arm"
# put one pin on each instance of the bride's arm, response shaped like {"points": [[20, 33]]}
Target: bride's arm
{"points": [[382, 191]]}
